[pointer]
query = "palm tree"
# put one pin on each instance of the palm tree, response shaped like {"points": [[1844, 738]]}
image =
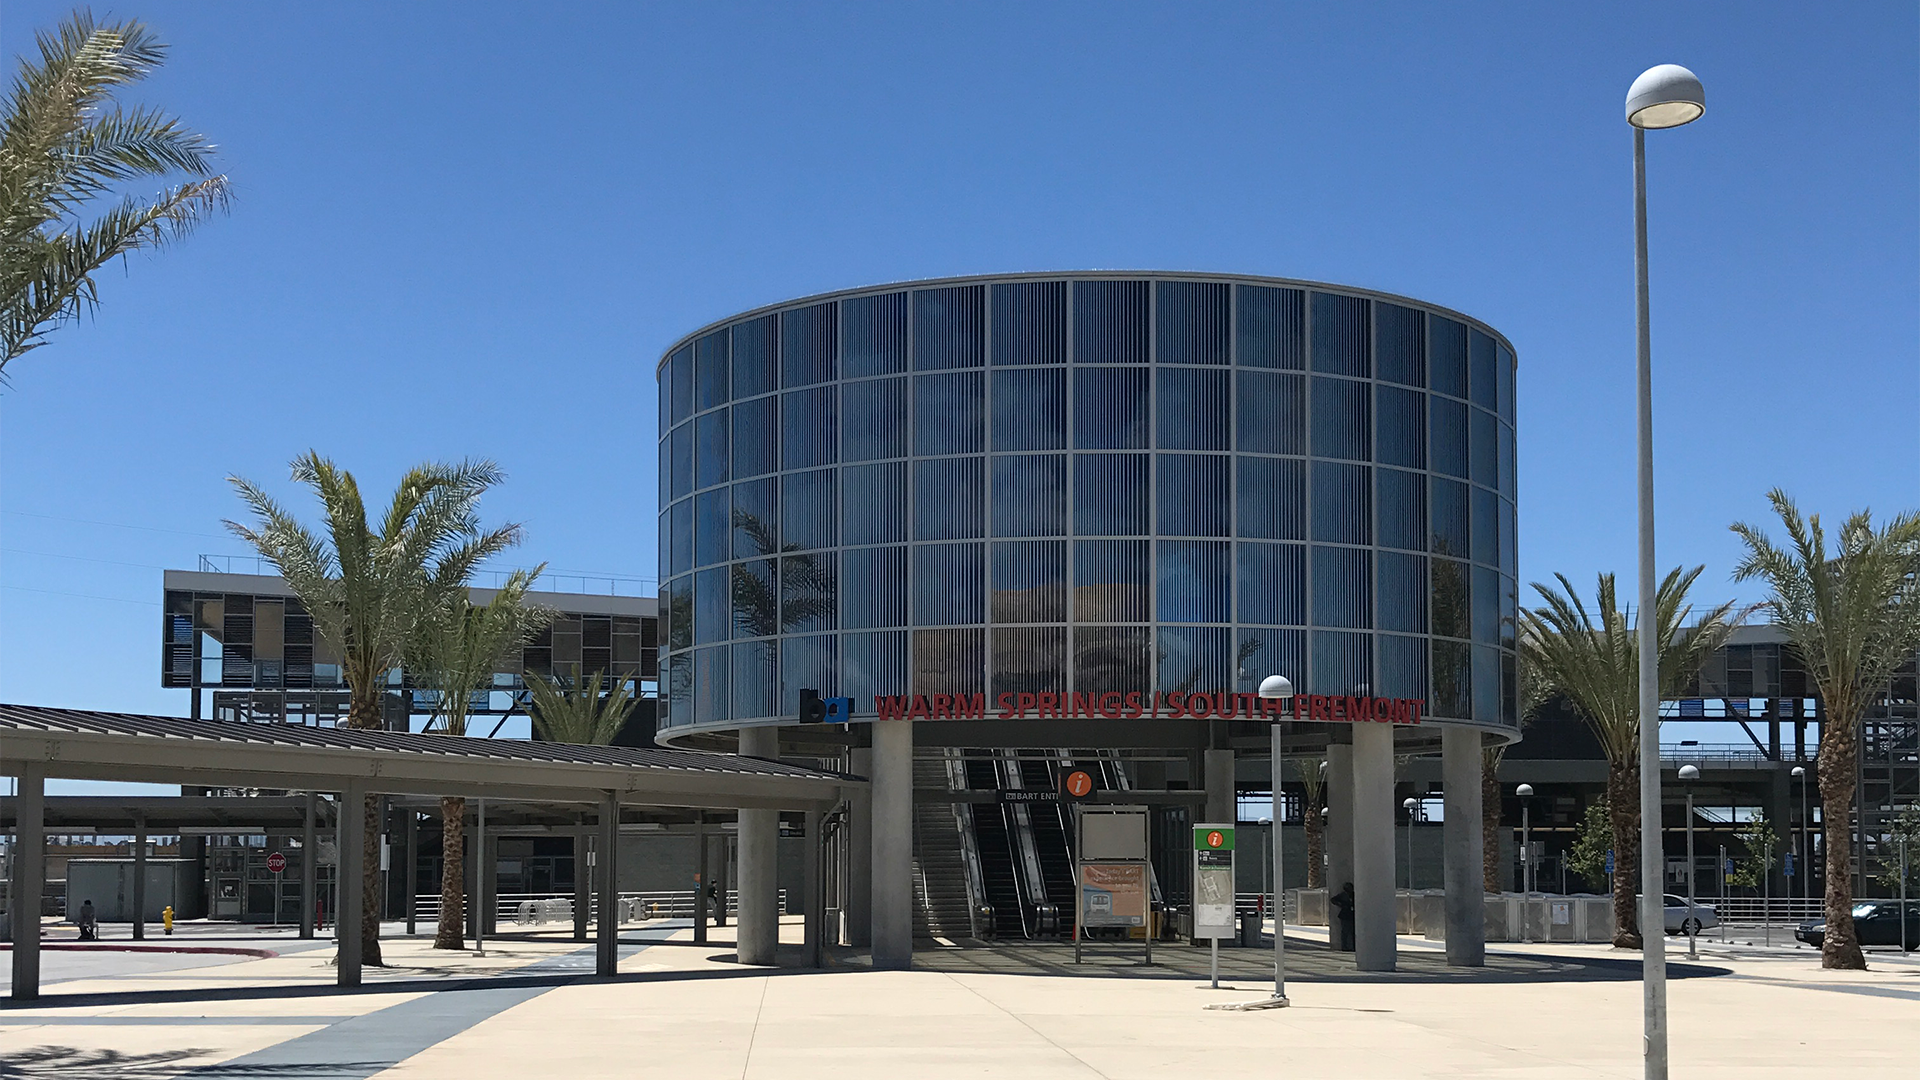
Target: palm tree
{"points": [[66, 144], [1313, 783], [457, 647], [1853, 615], [366, 588], [1596, 664], [587, 714]]}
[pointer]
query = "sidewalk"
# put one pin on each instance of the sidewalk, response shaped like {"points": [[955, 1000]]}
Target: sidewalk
{"points": [[681, 1010]]}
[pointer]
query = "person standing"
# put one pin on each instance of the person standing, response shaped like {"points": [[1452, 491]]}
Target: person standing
{"points": [[1342, 905]]}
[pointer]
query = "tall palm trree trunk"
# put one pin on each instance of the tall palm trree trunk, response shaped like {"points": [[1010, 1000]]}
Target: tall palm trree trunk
{"points": [[1491, 865], [1838, 762], [365, 716], [452, 932], [1316, 848], [1623, 797]]}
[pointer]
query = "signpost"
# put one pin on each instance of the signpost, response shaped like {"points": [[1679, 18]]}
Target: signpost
{"points": [[276, 862], [1213, 889]]}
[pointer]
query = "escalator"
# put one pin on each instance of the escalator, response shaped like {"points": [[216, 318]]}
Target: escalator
{"points": [[999, 864], [999, 870], [1051, 841]]}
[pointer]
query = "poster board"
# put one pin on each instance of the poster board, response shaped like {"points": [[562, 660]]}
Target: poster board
{"points": [[1113, 894], [1112, 833]]}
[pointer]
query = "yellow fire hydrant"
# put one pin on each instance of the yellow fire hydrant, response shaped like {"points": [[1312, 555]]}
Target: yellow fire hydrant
{"points": [[166, 918]]}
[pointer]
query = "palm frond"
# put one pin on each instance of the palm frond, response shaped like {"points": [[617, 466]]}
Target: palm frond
{"points": [[61, 148], [586, 714], [1593, 656]]}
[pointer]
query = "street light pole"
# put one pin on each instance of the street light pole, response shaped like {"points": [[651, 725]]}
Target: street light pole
{"points": [[1689, 773], [1802, 847], [1278, 688], [1525, 794], [1411, 804], [1662, 97]]}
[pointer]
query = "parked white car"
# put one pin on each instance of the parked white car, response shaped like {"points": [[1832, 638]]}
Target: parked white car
{"points": [[1702, 916]]}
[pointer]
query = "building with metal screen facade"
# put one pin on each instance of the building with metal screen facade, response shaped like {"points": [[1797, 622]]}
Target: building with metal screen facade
{"points": [[249, 643], [1087, 484]]}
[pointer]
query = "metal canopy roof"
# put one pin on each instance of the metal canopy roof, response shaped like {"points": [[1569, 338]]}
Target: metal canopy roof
{"points": [[84, 745], [114, 815]]}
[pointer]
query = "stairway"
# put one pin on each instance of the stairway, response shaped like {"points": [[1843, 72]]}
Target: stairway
{"points": [[939, 868]]}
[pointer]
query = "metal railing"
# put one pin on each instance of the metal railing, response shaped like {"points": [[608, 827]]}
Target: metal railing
{"points": [[1256, 903], [1697, 752], [585, 582], [536, 909], [1779, 910]]}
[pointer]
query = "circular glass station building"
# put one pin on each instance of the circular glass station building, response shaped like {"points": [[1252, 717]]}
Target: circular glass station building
{"points": [[1054, 491], [1030, 523]]}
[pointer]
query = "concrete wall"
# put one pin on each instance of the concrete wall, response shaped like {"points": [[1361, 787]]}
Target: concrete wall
{"points": [[1253, 861], [109, 884]]}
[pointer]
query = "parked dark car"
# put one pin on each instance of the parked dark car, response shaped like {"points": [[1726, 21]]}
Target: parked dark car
{"points": [[1875, 922]]}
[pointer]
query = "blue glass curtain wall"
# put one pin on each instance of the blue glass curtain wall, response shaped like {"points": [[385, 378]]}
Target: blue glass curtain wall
{"points": [[1088, 484]]}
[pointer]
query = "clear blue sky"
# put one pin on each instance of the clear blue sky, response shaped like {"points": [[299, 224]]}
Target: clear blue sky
{"points": [[469, 229]]}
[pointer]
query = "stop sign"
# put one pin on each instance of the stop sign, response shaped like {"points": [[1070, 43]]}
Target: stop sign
{"points": [[276, 862]]}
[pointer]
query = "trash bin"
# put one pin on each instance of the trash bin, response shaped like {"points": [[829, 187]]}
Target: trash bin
{"points": [[1250, 931]]}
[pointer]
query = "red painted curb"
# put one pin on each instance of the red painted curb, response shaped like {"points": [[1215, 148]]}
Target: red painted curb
{"points": [[74, 946]]}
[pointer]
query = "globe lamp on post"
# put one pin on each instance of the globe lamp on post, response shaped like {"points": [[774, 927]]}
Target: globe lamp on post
{"points": [[1278, 688], [1802, 838], [1688, 775], [1525, 792], [1665, 96]]}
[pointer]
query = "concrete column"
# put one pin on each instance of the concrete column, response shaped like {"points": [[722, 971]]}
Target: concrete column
{"points": [[309, 866], [29, 880], [1374, 938], [891, 911], [1218, 767], [350, 872], [490, 885], [606, 953], [858, 899], [1339, 820], [702, 878], [758, 932], [719, 855], [1460, 764], [140, 880], [470, 881], [411, 852], [815, 920], [1777, 803], [582, 882]]}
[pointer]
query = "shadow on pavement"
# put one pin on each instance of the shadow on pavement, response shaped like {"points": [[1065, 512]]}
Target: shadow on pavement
{"points": [[1307, 961]]}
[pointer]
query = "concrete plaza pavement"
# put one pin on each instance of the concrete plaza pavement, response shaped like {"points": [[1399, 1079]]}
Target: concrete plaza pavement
{"points": [[531, 1009]]}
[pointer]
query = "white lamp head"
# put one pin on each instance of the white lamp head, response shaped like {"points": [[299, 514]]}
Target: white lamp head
{"points": [[1665, 96], [1689, 772], [1798, 772], [1525, 791], [1410, 803], [1276, 686]]}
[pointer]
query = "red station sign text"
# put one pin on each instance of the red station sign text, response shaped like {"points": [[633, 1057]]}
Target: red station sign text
{"points": [[1324, 708]]}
